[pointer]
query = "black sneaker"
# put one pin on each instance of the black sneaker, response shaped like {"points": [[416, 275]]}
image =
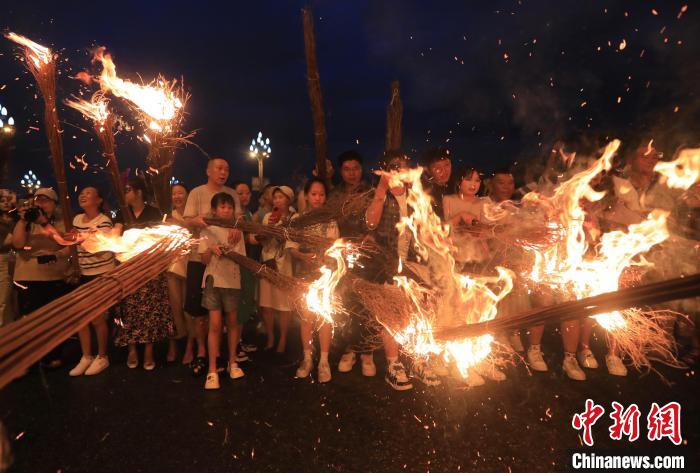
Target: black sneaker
{"points": [[397, 378]]}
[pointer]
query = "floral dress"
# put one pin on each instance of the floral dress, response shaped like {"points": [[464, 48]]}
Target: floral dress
{"points": [[146, 316]]}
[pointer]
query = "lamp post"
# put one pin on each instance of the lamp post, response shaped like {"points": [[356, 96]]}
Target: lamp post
{"points": [[260, 149], [30, 183], [7, 131], [7, 123]]}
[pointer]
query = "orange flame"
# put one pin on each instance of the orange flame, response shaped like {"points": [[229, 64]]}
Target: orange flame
{"points": [[682, 172], [133, 241], [158, 100], [566, 266], [320, 297], [37, 53], [455, 298], [95, 109]]}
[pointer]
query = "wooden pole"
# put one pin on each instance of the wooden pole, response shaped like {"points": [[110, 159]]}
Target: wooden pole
{"points": [[314, 87], [105, 134], [161, 155], [47, 85], [394, 112]]}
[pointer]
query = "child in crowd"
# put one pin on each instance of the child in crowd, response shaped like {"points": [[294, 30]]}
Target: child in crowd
{"points": [[92, 265], [221, 287], [306, 266], [274, 253]]}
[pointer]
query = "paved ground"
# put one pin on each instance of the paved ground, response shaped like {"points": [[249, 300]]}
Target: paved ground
{"points": [[138, 421]]}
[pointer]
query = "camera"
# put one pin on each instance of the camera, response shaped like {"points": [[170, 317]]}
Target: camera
{"points": [[32, 214]]}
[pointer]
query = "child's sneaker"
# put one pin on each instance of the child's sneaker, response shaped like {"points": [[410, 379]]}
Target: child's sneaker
{"points": [[396, 377], [305, 368], [82, 366], [347, 361], [98, 365], [212, 381], [234, 371], [324, 372]]}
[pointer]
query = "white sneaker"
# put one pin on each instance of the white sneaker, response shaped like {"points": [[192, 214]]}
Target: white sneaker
{"points": [[324, 372], [234, 371], [82, 366], [369, 369], [615, 365], [212, 381], [474, 379], [396, 377], [305, 368], [347, 361], [572, 368], [98, 365], [421, 370], [535, 359], [489, 371], [515, 342], [586, 359]]}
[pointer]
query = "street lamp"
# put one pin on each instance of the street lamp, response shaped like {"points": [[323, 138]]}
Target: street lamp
{"points": [[30, 183], [260, 149], [7, 123]]}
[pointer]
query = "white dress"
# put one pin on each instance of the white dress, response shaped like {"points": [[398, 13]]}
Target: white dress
{"points": [[271, 296]]}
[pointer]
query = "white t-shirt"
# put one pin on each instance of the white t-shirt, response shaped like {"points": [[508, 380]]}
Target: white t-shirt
{"points": [[226, 273], [199, 205], [92, 264]]}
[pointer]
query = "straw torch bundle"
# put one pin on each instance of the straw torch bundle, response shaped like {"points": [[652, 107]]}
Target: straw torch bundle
{"points": [[40, 62], [160, 107], [26, 341], [103, 122]]}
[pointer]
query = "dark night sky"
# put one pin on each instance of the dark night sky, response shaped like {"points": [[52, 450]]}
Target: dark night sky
{"points": [[243, 63]]}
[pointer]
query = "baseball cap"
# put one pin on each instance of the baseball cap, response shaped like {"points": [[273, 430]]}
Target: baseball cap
{"points": [[47, 192], [286, 190]]}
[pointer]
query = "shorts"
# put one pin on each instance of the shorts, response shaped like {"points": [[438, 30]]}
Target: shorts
{"points": [[220, 298], [193, 289]]}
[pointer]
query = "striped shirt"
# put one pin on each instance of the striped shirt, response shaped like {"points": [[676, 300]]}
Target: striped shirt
{"points": [[92, 264]]}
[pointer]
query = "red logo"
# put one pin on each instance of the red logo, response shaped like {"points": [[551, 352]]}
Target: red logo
{"points": [[661, 422], [586, 419], [665, 422]]}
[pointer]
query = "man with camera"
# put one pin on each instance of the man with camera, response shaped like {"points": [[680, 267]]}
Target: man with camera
{"points": [[42, 264]]}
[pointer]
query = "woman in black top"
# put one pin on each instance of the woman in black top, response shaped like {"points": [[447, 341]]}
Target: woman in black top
{"points": [[146, 314]]}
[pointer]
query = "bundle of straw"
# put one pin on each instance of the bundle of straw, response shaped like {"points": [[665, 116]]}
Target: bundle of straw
{"points": [[648, 294], [296, 286], [27, 340], [335, 209], [279, 232], [40, 61]]}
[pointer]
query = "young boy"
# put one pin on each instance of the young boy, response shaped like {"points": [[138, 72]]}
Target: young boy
{"points": [[221, 287]]}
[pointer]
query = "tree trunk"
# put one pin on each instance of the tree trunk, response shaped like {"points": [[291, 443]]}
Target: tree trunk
{"points": [[394, 112], [314, 86]]}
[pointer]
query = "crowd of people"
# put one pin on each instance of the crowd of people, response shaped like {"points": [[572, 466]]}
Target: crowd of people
{"points": [[206, 295]]}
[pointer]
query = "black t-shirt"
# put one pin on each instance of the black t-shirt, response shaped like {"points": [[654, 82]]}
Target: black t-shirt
{"points": [[149, 216]]}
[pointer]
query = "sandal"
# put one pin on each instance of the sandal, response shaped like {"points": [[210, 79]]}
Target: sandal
{"points": [[198, 366]]}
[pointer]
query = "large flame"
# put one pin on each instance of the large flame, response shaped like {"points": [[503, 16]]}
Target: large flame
{"points": [[157, 100], [682, 172], [133, 241], [567, 266], [37, 53], [454, 298], [320, 297], [95, 109]]}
